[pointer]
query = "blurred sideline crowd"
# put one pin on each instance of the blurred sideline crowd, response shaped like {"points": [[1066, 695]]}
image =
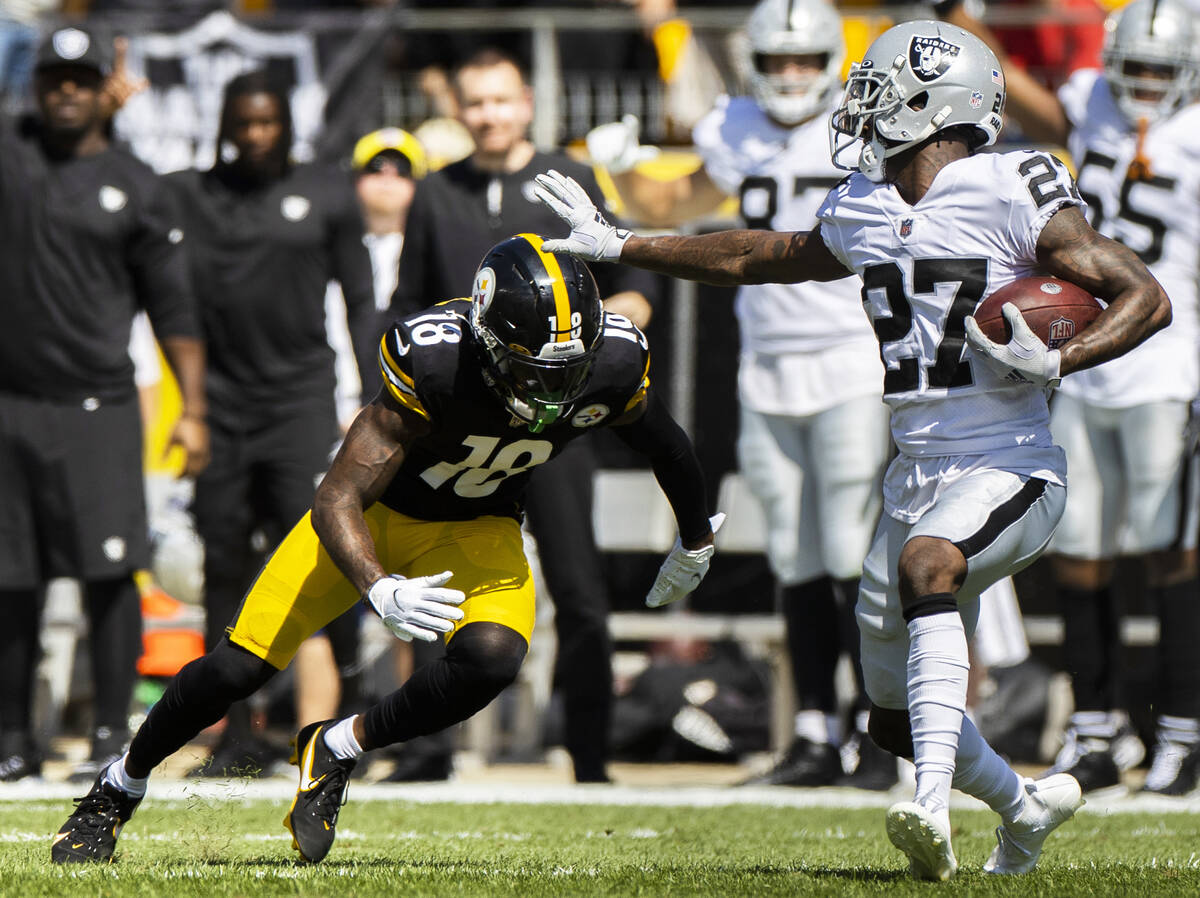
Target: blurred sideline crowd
{"points": [[388, 131]]}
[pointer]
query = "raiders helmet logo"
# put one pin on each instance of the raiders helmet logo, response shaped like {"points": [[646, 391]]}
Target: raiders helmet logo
{"points": [[931, 57]]}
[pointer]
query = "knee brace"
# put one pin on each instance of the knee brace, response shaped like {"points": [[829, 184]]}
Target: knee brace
{"points": [[891, 730]]}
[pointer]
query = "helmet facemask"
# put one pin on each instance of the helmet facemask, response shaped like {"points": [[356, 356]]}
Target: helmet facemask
{"points": [[1151, 61], [789, 28], [917, 79], [537, 366]]}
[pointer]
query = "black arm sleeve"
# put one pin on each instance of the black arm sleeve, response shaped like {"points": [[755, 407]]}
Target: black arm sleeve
{"points": [[656, 435]]}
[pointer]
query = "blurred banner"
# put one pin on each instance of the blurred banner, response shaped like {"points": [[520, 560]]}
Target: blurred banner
{"points": [[174, 124]]}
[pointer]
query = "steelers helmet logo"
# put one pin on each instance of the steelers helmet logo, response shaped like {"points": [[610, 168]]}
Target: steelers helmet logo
{"points": [[484, 289], [592, 414]]}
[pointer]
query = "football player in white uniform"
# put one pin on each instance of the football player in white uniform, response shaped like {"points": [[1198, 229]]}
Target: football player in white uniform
{"points": [[978, 486], [813, 436], [1131, 130]]}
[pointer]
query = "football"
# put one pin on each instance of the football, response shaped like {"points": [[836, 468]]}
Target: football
{"points": [[1054, 310]]}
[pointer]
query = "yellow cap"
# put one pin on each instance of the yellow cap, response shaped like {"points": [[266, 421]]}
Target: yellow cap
{"points": [[371, 145]]}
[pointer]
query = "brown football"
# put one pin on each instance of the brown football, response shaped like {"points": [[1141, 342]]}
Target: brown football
{"points": [[1054, 310]]}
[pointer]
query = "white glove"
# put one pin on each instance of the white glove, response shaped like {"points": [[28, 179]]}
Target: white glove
{"points": [[683, 570], [416, 607], [591, 236], [615, 145], [1024, 357]]}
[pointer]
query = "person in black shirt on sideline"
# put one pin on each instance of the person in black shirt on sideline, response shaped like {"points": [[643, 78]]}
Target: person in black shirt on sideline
{"points": [[267, 236], [90, 235], [457, 213]]}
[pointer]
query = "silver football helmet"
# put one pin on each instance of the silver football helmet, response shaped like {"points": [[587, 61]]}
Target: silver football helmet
{"points": [[1159, 34], [786, 27], [916, 79]]}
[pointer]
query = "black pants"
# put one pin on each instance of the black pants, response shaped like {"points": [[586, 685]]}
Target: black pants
{"points": [[262, 475]]}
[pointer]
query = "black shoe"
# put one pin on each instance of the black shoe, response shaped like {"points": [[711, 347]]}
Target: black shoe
{"points": [[420, 768], [805, 764], [1175, 771], [324, 780], [1094, 769], [90, 834], [876, 768], [20, 765], [249, 758], [107, 746]]}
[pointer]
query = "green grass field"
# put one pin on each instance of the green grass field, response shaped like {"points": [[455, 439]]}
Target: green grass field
{"points": [[203, 845]]}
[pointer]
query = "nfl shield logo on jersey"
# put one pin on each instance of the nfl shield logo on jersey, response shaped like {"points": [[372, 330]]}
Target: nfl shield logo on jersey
{"points": [[906, 227], [1060, 331], [930, 57]]}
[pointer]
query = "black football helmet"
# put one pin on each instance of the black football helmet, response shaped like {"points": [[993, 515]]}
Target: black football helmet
{"points": [[538, 320]]}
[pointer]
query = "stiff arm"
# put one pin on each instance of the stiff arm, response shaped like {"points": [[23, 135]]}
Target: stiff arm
{"points": [[726, 257]]}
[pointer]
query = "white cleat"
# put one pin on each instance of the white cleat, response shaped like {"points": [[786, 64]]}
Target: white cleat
{"points": [[1049, 802], [923, 835]]}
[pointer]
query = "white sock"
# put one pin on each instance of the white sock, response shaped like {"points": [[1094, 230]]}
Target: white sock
{"points": [[339, 739], [813, 726], [983, 774], [937, 698], [115, 775]]}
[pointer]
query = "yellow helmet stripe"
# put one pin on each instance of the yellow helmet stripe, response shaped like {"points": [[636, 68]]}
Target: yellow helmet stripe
{"points": [[562, 303]]}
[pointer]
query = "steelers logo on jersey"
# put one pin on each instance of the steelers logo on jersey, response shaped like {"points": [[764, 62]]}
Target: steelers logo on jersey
{"points": [[294, 208], [589, 415]]}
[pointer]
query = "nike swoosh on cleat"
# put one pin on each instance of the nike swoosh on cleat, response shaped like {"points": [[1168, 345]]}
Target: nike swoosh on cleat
{"points": [[58, 838]]}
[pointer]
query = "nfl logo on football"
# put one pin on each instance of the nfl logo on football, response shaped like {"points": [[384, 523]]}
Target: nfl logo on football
{"points": [[1060, 331]]}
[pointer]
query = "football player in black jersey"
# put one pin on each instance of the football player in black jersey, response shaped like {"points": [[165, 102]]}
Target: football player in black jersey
{"points": [[419, 518]]}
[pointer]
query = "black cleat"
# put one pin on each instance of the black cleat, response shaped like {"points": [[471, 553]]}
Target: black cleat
{"points": [[19, 765], [422, 768], [90, 834], [876, 768], [806, 763], [1175, 771], [324, 780], [1094, 770], [249, 758]]}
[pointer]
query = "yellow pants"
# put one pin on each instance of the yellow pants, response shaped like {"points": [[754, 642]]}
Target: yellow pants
{"points": [[300, 589]]}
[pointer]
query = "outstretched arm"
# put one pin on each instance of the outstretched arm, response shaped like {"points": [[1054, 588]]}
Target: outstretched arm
{"points": [[726, 257], [1138, 306]]}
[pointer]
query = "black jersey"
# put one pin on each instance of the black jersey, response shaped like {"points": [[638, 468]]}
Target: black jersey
{"points": [[84, 242], [460, 212], [478, 457], [262, 256]]}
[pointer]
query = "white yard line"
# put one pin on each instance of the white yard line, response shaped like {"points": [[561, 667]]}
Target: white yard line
{"points": [[277, 789]]}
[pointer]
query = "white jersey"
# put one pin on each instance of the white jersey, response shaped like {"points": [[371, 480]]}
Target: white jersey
{"points": [[1158, 218], [780, 176], [925, 268]]}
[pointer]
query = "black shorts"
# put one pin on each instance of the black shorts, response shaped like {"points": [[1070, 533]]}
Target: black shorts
{"points": [[72, 501]]}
